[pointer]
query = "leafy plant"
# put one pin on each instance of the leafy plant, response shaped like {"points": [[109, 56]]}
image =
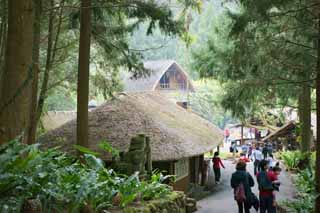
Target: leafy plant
{"points": [[291, 159], [305, 182], [61, 182], [105, 146]]}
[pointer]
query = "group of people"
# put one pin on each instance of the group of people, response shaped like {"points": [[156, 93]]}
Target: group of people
{"points": [[266, 171], [267, 179]]}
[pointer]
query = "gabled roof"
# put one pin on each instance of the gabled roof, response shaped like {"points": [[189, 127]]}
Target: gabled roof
{"points": [[282, 130], [157, 69], [175, 133]]}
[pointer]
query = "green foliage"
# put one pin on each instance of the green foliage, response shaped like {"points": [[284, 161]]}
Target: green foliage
{"points": [[154, 189], [105, 146], [291, 158], [305, 181], [160, 46], [85, 150], [306, 195], [62, 183], [260, 54], [113, 23], [206, 102]]}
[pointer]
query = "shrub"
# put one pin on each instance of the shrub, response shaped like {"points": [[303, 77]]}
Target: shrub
{"points": [[62, 182], [295, 159]]}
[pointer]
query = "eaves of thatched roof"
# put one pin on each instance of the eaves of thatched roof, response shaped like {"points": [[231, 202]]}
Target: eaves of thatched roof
{"points": [[175, 133], [148, 83]]}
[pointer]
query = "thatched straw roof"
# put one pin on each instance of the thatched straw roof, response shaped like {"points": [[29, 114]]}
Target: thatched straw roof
{"points": [[157, 69], [174, 132]]}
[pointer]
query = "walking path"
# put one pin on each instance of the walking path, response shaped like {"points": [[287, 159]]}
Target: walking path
{"points": [[221, 200]]}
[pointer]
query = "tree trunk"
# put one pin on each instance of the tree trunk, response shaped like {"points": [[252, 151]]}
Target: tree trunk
{"points": [[305, 117], [35, 57], [46, 73], [3, 35], [51, 54], [83, 74], [317, 202], [15, 94]]}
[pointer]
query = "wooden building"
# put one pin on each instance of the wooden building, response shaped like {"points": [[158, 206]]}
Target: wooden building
{"points": [[178, 138], [166, 77], [284, 138]]}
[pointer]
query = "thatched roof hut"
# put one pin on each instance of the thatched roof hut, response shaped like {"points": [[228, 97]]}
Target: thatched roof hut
{"points": [[174, 132]]}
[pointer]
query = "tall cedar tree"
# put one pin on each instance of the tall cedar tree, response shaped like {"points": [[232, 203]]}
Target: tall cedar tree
{"points": [[32, 129], [83, 73], [15, 94], [317, 203]]}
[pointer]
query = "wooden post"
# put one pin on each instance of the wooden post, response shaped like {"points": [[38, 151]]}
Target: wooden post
{"points": [[196, 169], [203, 169], [149, 157], [192, 170]]}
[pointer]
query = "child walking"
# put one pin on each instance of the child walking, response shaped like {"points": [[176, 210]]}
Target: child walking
{"points": [[217, 163]]}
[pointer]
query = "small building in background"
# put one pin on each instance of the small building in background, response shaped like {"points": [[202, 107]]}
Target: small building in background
{"points": [[166, 77]]}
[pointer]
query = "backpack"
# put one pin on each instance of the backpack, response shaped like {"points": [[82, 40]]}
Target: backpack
{"points": [[239, 193], [264, 183]]}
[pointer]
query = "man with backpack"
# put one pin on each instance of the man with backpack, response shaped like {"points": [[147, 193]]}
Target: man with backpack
{"points": [[257, 155], [266, 189], [241, 182]]}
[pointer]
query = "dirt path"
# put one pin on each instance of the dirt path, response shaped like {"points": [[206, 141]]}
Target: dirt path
{"points": [[221, 200]]}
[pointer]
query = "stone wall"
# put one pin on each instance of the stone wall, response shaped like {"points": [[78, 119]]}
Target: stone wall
{"points": [[175, 203]]}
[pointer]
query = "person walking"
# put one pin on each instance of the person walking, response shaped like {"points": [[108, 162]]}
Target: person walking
{"points": [[257, 155], [217, 164], [241, 182], [265, 151], [233, 148], [271, 161], [270, 148], [250, 151], [226, 135], [265, 181]]}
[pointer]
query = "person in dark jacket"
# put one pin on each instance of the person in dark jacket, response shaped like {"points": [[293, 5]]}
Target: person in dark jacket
{"points": [[266, 189], [242, 176], [265, 151]]}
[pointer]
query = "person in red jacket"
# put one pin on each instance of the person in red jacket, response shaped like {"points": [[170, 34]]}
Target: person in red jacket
{"points": [[217, 163], [244, 158]]}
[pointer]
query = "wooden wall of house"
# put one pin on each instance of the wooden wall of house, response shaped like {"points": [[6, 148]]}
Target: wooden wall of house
{"points": [[197, 169], [177, 79], [182, 184]]}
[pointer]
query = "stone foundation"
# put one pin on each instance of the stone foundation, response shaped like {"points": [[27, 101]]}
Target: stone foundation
{"points": [[174, 203]]}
